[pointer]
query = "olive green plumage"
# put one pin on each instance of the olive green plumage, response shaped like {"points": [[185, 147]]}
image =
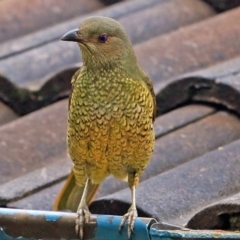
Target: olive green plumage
{"points": [[111, 110], [109, 125]]}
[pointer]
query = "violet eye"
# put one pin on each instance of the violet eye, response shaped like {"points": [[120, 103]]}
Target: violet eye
{"points": [[103, 38]]}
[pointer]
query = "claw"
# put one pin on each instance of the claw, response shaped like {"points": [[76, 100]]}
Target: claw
{"points": [[83, 216], [130, 216]]}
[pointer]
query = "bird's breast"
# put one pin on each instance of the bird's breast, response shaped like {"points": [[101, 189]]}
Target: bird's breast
{"points": [[110, 124]]}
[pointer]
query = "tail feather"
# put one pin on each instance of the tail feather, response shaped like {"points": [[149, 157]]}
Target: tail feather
{"points": [[70, 195]]}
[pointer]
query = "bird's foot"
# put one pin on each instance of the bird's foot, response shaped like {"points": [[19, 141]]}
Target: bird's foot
{"points": [[83, 216], [130, 217]]}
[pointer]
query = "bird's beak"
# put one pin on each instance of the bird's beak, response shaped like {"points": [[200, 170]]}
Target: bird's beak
{"points": [[72, 36]]}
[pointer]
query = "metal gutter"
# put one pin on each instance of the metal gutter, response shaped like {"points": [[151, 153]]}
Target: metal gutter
{"points": [[31, 224]]}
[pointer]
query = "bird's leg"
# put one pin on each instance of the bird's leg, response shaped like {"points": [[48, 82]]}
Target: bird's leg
{"points": [[131, 215], [83, 214]]}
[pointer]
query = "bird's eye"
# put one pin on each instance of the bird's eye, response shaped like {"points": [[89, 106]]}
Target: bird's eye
{"points": [[103, 38]]}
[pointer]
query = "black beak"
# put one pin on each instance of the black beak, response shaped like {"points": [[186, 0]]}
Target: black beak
{"points": [[72, 36]]}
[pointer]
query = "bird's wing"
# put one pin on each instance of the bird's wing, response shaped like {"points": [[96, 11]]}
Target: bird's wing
{"points": [[149, 84], [74, 77], [70, 195]]}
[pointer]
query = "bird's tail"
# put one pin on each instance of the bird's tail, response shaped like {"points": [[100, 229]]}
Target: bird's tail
{"points": [[70, 195]]}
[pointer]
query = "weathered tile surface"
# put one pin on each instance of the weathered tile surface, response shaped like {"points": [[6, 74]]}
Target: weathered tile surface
{"points": [[6, 114], [53, 33], [218, 84], [18, 18], [53, 56], [192, 47], [32, 141], [220, 215]]}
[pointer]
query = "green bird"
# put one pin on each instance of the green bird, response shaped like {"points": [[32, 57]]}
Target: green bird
{"points": [[111, 114]]}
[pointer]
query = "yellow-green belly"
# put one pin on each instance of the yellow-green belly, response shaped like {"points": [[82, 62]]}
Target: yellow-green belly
{"points": [[110, 129]]}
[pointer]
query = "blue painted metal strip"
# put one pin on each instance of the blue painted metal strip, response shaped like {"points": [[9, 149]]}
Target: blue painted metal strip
{"points": [[157, 234], [4, 236], [30, 224], [108, 226]]}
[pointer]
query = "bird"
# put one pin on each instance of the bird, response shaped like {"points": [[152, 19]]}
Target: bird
{"points": [[112, 109]]}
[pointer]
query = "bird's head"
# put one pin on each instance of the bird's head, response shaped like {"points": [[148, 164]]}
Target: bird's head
{"points": [[103, 42]]}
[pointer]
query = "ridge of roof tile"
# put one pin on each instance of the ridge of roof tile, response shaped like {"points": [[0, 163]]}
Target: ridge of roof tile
{"points": [[223, 214], [213, 85]]}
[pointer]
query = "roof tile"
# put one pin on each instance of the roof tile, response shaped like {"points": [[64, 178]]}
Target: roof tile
{"points": [[220, 215], [20, 18], [6, 114], [32, 141]]}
